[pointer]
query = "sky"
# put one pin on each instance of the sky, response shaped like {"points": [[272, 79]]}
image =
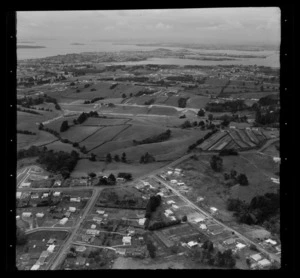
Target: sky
{"points": [[206, 26]]}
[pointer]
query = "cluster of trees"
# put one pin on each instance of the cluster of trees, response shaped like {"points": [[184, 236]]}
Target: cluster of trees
{"points": [[201, 140], [84, 116], [201, 113], [52, 131], [144, 92], [207, 254], [93, 100], [235, 178], [152, 205], [162, 224], [28, 111], [155, 139], [267, 116], [109, 159], [26, 132], [64, 126], [126, 176], [262, 208], [182, 102], [147, 158], [61, 162], [216, 163], [29, 101], [228, 106], [110, 180], [149, 102], [87, 85], [269, 100], [225, 152], [151, 249], [21, 237], [31, 152]]}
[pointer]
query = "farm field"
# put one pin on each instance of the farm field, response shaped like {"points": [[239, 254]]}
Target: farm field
{"points": [[78, 133], [197, 102], [236, 138], [59, 146], [24, 141], [105, 121]]}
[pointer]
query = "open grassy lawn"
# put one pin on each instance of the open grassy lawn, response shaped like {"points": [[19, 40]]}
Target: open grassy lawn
{"points": [[102, 135], [56, 124], [210, 185], [105, 121], [59, 146], [78, 133], [170, 111], [174, 147], [197, 102], [85, 166], [24, 141]]}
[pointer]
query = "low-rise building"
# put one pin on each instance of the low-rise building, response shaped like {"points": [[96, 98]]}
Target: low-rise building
{"points": [[142, 221], [92, 232], [100, 212], [72, 209], [80, 248], [26, 214], [256, 257], [264, 263], [126, 240], [19, 194], [63, 221], [35, 267], [192, 243], [170, 202], [56, 194], [51, 248], [40, 215]]}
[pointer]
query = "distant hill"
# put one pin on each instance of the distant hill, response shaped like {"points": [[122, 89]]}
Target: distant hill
{"points": [[77, 43], [30, 46]]}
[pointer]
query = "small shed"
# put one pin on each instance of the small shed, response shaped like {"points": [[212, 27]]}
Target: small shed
{"points": [[142, 221], [51, 248], [256, 257], [63, 221], [72, 209], [126, 240]]}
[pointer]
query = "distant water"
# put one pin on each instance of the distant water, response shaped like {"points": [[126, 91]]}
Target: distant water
{"points": [[54, 48]]}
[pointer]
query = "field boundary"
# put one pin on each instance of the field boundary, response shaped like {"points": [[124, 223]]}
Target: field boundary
{"points": [[128, 125], [91, 134]]}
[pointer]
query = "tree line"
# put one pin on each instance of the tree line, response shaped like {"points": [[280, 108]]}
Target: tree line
{"points": [[154, 139]]}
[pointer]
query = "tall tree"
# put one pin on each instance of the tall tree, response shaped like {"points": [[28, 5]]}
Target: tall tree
{"points": [[124, 159], [108, 158]]}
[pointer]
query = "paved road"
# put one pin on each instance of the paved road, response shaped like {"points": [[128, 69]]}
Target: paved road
{"points": [[271, 255], [94, 246], [62, 252], [48, 229]]}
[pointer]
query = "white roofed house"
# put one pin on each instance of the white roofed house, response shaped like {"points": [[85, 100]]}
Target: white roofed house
{"points": [[51, 248], [264, 263], [26, 214], [40, 215], [213, 209], [63, 221], [256, 257], [56, 194], [170, 202], [72, 209], [142, 221], [126, 240], [19, 194]]}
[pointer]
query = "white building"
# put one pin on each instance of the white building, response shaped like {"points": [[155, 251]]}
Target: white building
{"points": [[273, 242], [100, 212], [192, 243], [40, 215], [93, 226], [51, 248], [26, 214], [126, 240], [56, 194], [240, 246], [142, 221], [25, 184], [168, 211], [203, 226], [213, 210], [80, 248], [72, 209], [174, 206], [19, 194], [77, 199], [256, 257], [63, 221], [264, 263], [170, 202], [173, 181]]}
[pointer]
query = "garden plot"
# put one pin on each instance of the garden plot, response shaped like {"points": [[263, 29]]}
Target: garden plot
{"points": [[212, 140], [221, 143], [237, 139], [245, 138]]}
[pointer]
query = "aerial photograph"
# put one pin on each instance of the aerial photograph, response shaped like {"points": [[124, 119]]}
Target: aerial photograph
{"points": [[148, 139]]}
